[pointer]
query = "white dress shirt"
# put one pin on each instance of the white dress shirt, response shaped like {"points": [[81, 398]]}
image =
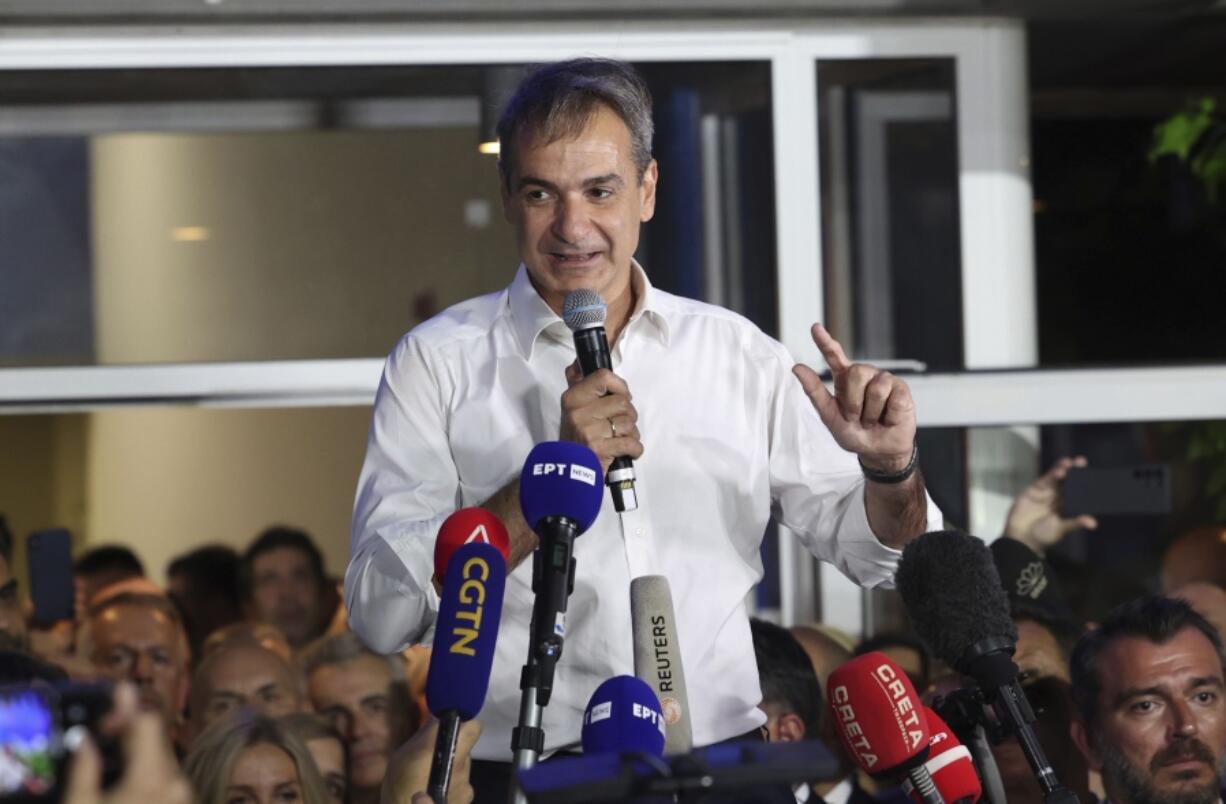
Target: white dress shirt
{"points": [[729, 438]]}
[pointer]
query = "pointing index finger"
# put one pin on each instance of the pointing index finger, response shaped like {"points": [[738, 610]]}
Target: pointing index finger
{"points": [[831, 350]]}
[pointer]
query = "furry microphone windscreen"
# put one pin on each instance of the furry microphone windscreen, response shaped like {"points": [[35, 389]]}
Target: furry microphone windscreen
{"points": [[952, 593]]}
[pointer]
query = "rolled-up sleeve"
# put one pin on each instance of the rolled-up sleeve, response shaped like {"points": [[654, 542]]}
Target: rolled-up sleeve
{"points": [[818, 488], [407, 487]]}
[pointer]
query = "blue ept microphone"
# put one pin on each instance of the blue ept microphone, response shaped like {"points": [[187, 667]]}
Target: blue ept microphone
{"points": [[623, 716], [561, 481], [470, 607], [560, 491]]}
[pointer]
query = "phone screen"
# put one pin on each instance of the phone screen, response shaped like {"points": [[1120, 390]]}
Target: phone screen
{"points": [[29, 742]]}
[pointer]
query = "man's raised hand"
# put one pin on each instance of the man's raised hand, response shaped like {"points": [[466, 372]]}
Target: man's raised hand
{"points": [[870, 413]]}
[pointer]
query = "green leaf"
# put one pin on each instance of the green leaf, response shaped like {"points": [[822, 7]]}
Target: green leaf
{"points": [[1178, 134]]}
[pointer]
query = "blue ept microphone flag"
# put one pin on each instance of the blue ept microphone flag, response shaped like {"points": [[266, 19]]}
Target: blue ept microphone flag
{"points": [[561, 479], [470, 607], [623, 716]]}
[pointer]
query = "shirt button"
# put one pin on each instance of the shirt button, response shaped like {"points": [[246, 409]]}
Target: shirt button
{"points": [[640, 532]]}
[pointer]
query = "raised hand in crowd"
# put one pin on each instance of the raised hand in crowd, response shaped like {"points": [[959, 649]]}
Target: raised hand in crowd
{"points": [[1036, 520], [408, 773], [150, 771]]}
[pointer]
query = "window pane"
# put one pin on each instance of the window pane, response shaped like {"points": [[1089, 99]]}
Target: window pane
{"points": [[890, 235], [165, 480], [1129, 251], [263, 214]]}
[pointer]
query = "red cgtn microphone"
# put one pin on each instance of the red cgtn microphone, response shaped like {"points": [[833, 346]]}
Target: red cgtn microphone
{"points": [[949, 763], [881, 721], [466, 526]]}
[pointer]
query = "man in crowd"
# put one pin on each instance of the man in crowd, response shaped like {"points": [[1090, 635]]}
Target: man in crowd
{"points": [[203, 583], [12, 618], [731, 429], [241, 676], [365, 696], [139, 638], [100, 567], [284, 584], [904, 650], [1149, 689], [825, 655], [791, 697]]}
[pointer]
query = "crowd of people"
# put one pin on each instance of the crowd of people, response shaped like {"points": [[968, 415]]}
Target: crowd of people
{"points": [[239, 681]]}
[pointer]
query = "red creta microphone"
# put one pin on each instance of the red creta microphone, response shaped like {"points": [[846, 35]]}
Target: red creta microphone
{"points": [[949, 763], [881, 721], [468, 526]]}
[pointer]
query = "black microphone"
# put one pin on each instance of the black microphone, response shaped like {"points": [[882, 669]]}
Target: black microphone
{"points": [[584, 312], [954, 597]]}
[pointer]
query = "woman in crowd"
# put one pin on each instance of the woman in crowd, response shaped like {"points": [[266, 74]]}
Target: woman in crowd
{"points": [[252, 760]]}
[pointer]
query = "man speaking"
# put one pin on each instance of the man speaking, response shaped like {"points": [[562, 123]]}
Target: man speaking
{"points": [[723, 428]]}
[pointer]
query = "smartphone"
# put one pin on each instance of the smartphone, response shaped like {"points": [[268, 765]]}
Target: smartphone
{"points": [[49, 559], [1121, 490], [33, 723]]}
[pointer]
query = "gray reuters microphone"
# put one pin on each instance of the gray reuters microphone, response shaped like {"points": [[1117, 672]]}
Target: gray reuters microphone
{"points": [[657, 657]]}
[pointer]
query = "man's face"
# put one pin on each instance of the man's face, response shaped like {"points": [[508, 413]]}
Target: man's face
{"points": [[1161, 730], [577, 205], [143, 645], [12, 620], [356, 697], [243, 677], [286, 593], [1038, 653]]}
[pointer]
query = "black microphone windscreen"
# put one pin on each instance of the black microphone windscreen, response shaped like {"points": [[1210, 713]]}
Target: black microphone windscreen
{"points": [[952, 593]]}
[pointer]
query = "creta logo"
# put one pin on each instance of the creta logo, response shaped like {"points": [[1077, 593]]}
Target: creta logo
{"points": [[576, 471], [902, 708], [472, 594]]}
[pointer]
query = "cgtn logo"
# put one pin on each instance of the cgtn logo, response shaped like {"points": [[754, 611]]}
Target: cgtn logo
{"points": [[471, 595], [576, 471]]}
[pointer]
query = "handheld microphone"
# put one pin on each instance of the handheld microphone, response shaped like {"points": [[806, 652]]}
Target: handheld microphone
{"points": [[623, 717], [954, 597], [468, 526], [584, 312], [470, 607], [881, 721], [950, 765], [560, 494], [657, 657]]}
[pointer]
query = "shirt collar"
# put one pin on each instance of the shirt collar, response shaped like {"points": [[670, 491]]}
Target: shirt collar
{"points": [[531, 317]]}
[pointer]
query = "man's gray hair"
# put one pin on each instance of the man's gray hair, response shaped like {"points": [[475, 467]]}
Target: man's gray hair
{"points": [[345, 647], [558, 100]]}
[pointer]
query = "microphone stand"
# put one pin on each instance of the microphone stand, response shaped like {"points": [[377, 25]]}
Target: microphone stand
{"points": [[963, 711], [996, 675], [553, 580]]}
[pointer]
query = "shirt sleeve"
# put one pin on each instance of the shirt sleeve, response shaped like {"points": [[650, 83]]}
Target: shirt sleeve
{"points": [[818, 488], [407, 487]]}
